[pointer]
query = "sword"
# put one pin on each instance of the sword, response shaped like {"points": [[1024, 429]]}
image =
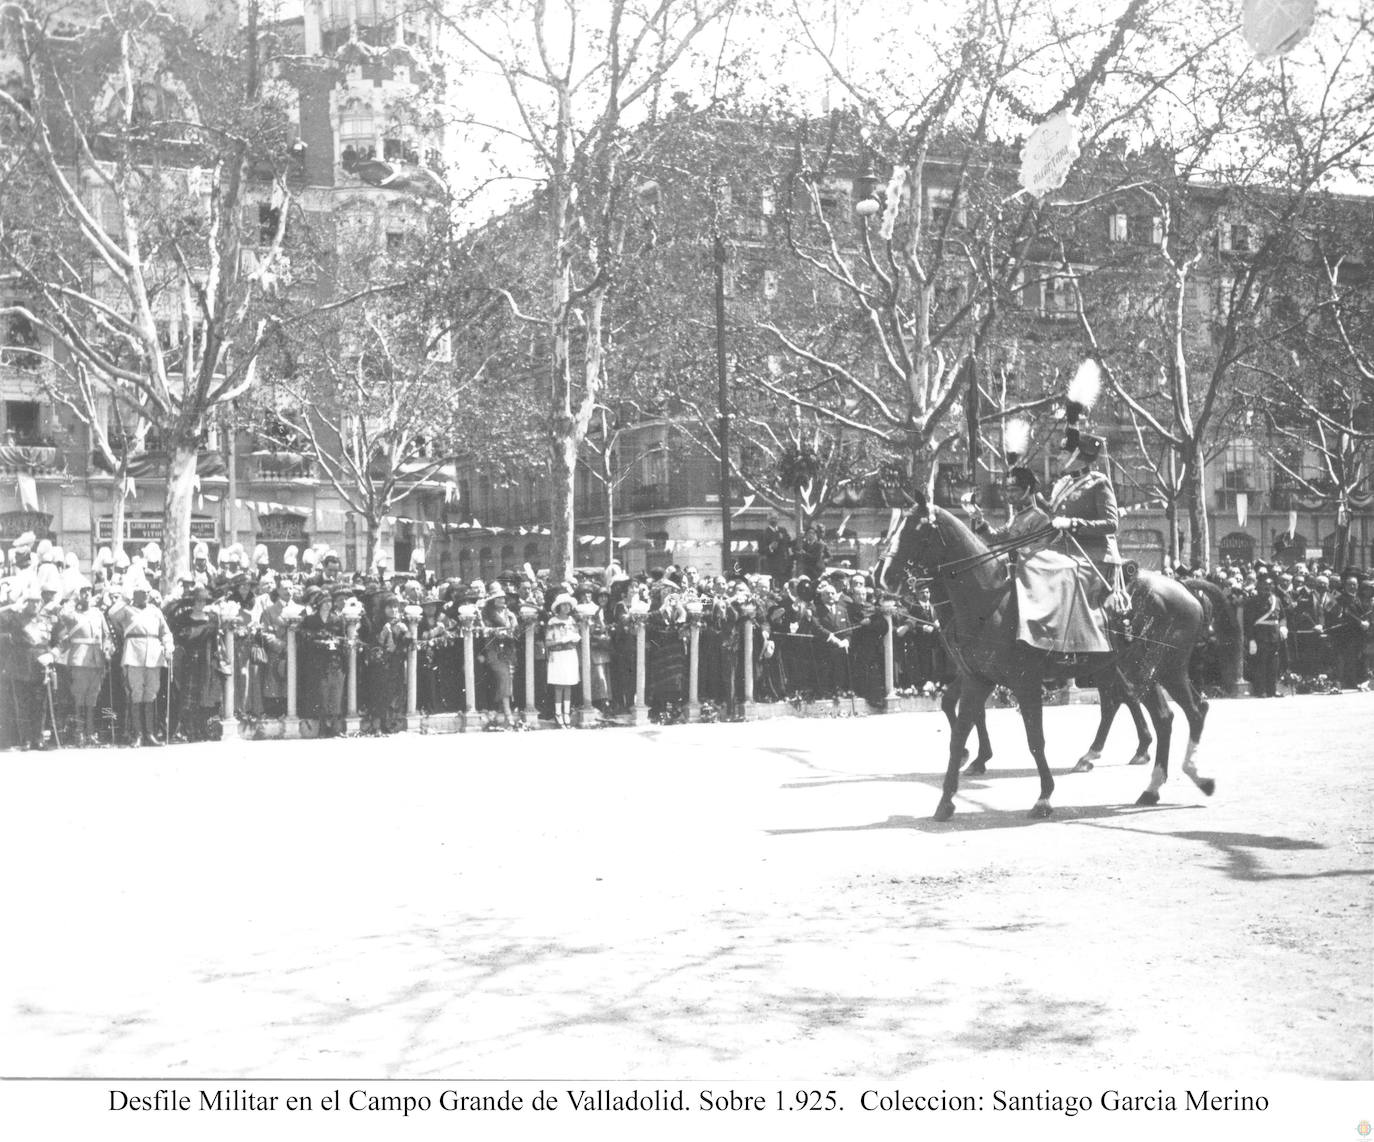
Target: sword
{"points": [[49, 684]]}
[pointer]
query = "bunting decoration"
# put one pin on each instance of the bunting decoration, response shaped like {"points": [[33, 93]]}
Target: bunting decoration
{"points": [[744, 507]]}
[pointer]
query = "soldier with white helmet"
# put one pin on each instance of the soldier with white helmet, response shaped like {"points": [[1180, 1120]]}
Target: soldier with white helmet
{"points": [[148, 650]]}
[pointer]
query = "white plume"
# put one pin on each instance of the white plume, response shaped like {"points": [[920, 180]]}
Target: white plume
{"points": [[1016, 437], [1086, 385]]}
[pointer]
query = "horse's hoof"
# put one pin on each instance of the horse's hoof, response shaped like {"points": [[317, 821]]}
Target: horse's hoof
{"points": [[1208, 785], [977, 769], [1142, 758], [1083, 766], [1149, 797], [1040, 810], [944, 810]]}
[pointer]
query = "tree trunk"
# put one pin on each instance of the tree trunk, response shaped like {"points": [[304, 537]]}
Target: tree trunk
{"points": [[119, 508], [563, 448], [610, 517], [176, 512], [1204, 515], [374, 542]]}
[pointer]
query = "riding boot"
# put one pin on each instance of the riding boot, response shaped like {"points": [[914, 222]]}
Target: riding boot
{"points": [[150, 720], [91, 737], [133, 715]]}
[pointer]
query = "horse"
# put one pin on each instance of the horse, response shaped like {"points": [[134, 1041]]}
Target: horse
{"points": [[966, 579], [1219, 627]]}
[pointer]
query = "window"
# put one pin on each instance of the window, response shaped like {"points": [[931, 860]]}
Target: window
{"points": [[770, 283], [357, 135], [1145, 229], [20, 343], [1118, 227], [939, 200], [22, 422], [766, 203], [393, 150]]}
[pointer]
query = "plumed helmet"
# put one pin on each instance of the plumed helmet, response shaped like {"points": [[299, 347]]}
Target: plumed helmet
{"points": [[44, 546], [104, 557], [260, 556], [289, 557], [25, 542], [152, 553], [200, 551]]}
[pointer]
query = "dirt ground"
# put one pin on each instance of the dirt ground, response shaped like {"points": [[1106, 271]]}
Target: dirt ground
{"points": [[760, 901]]}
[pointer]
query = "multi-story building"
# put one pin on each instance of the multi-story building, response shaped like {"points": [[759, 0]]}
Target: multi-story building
{"points": [[358, 78], [666, 506]]}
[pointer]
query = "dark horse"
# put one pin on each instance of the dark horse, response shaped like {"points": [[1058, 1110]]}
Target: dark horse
{"points": [[967, 581], [1219, 632]]}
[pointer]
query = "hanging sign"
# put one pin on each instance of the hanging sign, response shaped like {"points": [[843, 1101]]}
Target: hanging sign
{"points": [[1274, 28], [1049, 154]]}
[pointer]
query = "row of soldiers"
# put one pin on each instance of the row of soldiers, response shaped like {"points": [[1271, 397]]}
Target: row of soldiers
{"points": [[107, 657]]}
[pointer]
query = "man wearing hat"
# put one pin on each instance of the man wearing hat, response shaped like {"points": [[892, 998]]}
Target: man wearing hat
{"points": [[27, 659], [19, 574], [85, 637], [148, 649], [1028, 516], [1347, 619]]}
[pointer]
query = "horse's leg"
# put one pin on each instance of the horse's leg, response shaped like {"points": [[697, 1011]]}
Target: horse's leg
{"points": [[1030, 700], [1194, 707], [1109, 698], [973, 695], [1142, 731], [949, 703], [1163, 717]]}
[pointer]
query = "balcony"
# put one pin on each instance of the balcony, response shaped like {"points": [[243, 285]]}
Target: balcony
{"points": [[648, 498], [279, 467], [36, 458]]}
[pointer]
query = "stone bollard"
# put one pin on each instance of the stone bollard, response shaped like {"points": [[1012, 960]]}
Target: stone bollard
{"points": [[639, 712], [227, 703], [467, 625], [351, 641], [585, 715], [529, 620], [889, 610], [749, 610], [292, 727], [412, 669], [693, 661]]}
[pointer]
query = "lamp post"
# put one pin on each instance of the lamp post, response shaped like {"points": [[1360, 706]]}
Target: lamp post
{"points": [[722, 395]]}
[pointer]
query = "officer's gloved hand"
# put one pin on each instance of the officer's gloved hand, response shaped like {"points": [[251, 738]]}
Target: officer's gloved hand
{"points": [[1061, 523]]}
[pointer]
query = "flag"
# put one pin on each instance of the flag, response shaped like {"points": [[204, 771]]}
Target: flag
{"points": [[748, 502], [844, 523], [28, 492], [1242, 508], [1292, 524]]}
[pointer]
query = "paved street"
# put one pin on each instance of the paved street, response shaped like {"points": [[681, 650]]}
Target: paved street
{"points": [[756, 902]]}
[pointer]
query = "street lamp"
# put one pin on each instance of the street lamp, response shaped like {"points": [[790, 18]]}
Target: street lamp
{"points": [[866, 200]]}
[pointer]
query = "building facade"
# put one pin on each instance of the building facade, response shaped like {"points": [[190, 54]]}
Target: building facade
{"points": [[360, 83]]}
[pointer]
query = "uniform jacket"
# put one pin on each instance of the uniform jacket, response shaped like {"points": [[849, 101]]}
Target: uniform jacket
{"points": [[1264, 614], [86, 638], [1089, 502], [147, 637], [1344, 615], [1031, 518]]}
